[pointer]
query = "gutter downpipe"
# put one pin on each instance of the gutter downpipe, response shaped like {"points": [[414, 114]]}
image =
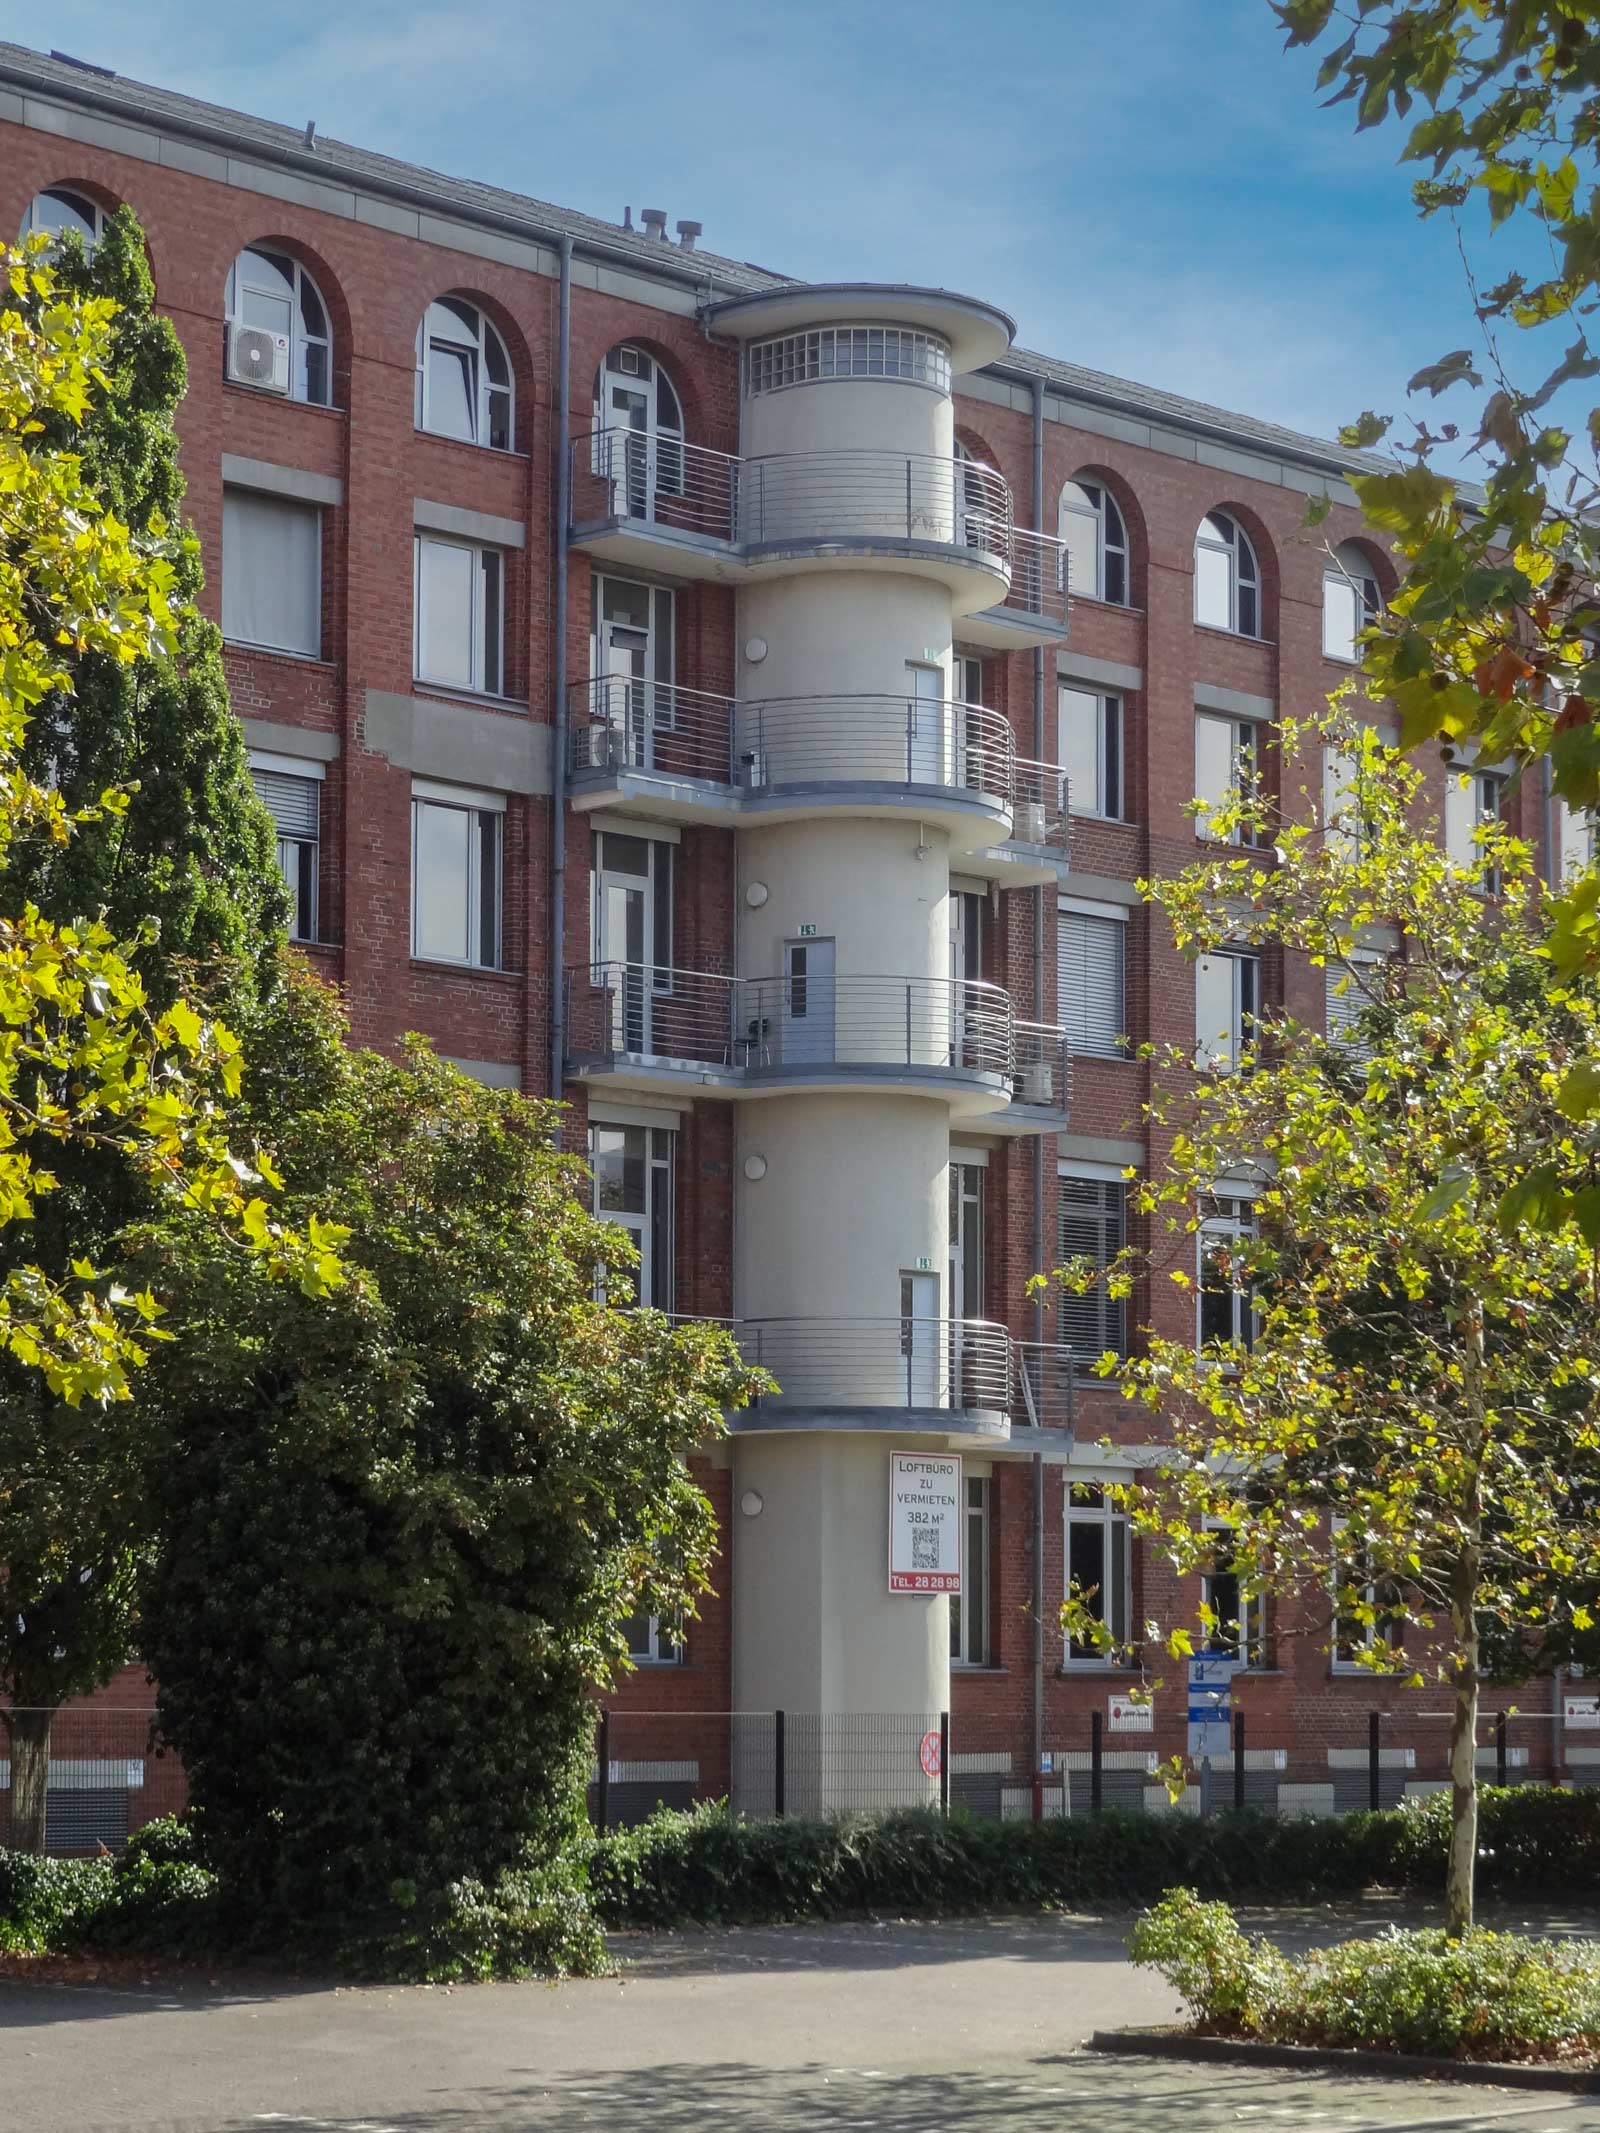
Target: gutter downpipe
{"points": [[1038, 1146], [558, 761]]}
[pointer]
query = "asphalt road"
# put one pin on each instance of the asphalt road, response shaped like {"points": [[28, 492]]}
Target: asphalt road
{"points": [[896, 2028]]}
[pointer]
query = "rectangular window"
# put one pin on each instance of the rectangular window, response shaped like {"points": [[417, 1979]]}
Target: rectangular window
{"points": [[271, 573], [1091, 751], [459, 614], [456, 841], [1227, 1003], [1098, 1567], [649, 1644], [633, 1170], [1090, 981], [1472, 798], [1225, 761], [1091, 1226], [969, 1608], [1575, 841], [1347, 986], [291, 792], [1354, 1632], [1225, 1308], [1238, 1627]]}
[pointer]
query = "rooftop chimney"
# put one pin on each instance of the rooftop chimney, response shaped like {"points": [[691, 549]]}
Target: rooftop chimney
{"points": [[655, 222], [687, 233], [627, 218]]}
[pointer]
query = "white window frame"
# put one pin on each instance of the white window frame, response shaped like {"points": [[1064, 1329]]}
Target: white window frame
{"points": [[480, 340], [1244, 752], [1218, 1050], [304, 882], [82, 205], [1109, 1517], [1233, 1217], [1474, 793], [1348, 583], [1370, 1634], [486, 624], [1576, 840], [1110, 922], [287, 510], [302, 340], [1086, 500], [1110, 1219], [1220, 533], [485, 808], [1344, 997], [1098, 789], [1250, 1645], [969, 1626], [658, 1648], [899, 353]]}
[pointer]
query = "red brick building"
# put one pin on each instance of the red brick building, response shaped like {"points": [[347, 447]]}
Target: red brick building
{"points": [[662, 678]]}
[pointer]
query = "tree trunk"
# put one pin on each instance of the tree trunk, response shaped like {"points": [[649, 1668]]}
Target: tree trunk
{"points": [[1461, 1874], [29, 1738]]}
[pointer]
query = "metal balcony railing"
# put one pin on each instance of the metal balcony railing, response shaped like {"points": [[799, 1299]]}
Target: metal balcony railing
{"points": [[954, 1363], [1038, 576], [623, 723], [793, 498], [755, 1026], [1039, 812], [1044, 1067], [1047, 1384]]}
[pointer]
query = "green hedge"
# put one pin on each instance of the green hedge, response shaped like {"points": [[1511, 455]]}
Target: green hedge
{"points": [[707, 1868]]}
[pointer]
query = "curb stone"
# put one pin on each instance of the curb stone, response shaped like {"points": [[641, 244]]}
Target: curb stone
{"points": [[1318, 2058]]}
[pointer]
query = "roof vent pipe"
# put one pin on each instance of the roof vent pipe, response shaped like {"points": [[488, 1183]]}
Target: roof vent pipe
{"points": [[687, 233], [627, 218], [655, 222]]}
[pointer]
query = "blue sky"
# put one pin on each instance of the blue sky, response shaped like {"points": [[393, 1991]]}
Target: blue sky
{"points": [[1150, 189]]}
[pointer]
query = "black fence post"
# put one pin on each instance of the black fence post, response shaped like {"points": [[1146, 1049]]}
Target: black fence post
{"points": [[944, 1762], [1238, 1762], [602, 1791], [1096, 1763], [1501, 1753], [1373, 1721], [777, 1764]]}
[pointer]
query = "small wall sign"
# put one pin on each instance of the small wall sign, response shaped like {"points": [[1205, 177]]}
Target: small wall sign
{"points": [[924, 1523], [806, 933], [1123, 1715]]}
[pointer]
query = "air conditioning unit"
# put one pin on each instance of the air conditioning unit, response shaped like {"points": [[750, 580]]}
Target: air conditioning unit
{"points": [[1028, 822], [753, 769], [259, 358], [1035, 1084], [602, 746]]}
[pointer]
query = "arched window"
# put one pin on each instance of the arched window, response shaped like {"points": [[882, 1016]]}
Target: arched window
{"points": [[463, 376], [59, 208], [633, 395], [274, 292], [1097, 543], [1227, 585], [1350, 601]]}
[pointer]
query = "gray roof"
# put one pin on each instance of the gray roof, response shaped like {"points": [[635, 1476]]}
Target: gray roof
{"points": [[140, 102]]}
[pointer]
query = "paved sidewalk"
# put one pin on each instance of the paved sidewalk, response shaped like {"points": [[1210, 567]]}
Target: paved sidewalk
{"points": [[896, 2028]]}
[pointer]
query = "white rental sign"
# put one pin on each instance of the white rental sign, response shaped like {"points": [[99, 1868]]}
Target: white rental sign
{"points": [[924, 1523]]}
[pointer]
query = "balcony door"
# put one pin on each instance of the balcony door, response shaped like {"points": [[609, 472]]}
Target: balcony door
{"points": [[633, 665], [921, 1361], [966, 1265], [809, 1003], [966, 968], [632, 932], [636, 405], [925, 741]]}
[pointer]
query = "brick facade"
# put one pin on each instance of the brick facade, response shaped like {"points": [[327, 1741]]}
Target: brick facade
{"points": [[377, 277]]}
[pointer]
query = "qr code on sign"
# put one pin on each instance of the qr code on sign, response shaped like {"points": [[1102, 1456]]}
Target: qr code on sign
{"points": [[924, 1548]]}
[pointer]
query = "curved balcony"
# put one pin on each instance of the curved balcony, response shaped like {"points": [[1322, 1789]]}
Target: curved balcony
{"points": [[691, 756], [1037, 604], [948, 1376], [1038, 850], [642, 1025], [640, 499]]}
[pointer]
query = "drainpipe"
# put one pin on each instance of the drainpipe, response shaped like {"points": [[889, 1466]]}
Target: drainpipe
{"points": [[559, 742], [1039, 1139]]}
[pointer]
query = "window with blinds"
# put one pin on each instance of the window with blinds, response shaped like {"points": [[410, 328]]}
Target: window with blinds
{"points": [[295, 805], [1345, 1000], [271, 573], [1089, 954], [1092, 1227]]}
